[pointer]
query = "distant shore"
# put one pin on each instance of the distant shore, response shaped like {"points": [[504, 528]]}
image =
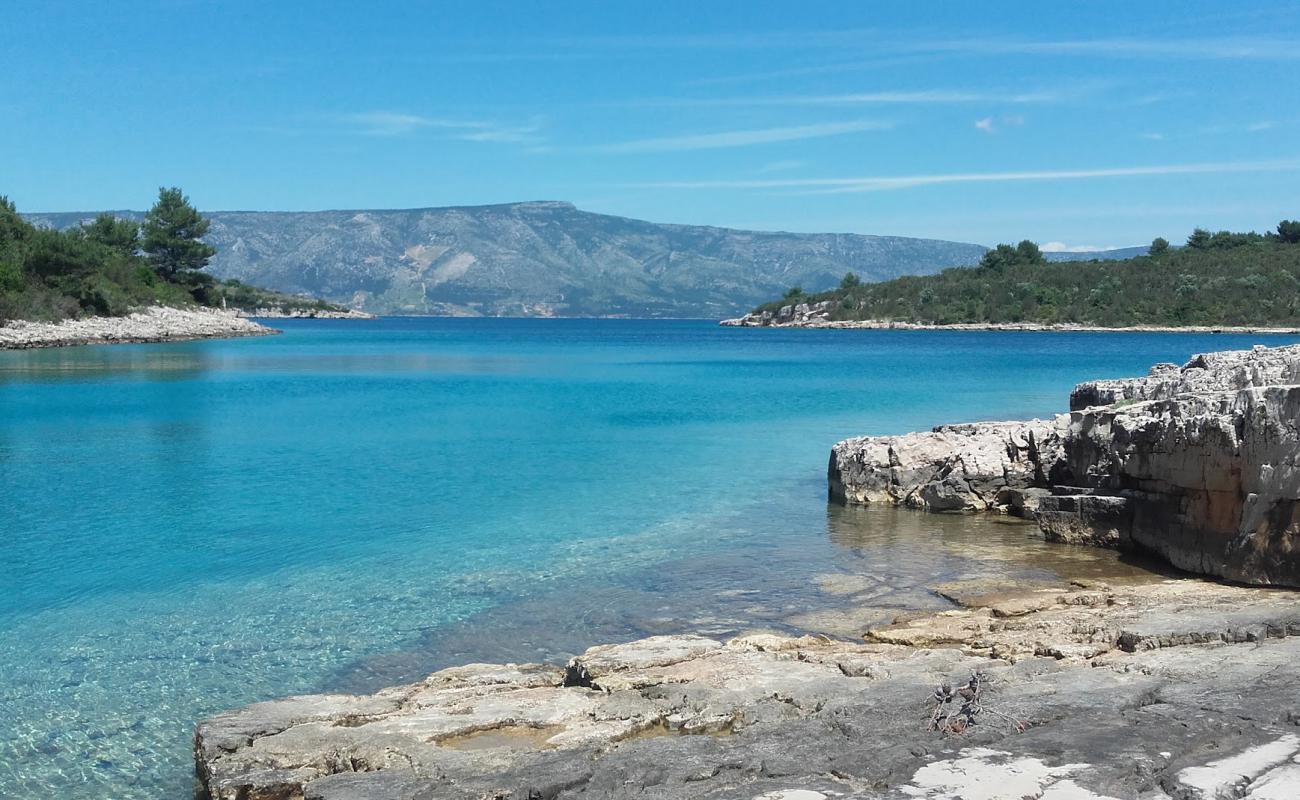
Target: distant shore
{"points": [[750, 321], [278, 313], [155, 324]]}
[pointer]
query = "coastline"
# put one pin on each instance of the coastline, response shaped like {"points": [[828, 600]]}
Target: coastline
{"points": [[1050, 687], [277, 313], [891, 325], [152, 325], [1078, 680]]}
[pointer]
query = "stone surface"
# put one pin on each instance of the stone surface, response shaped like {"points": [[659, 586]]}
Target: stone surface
{"points": [[1181, 687], [157, 324], [963, 468], [1196, 464], [1204, 373], [1211, 480]]}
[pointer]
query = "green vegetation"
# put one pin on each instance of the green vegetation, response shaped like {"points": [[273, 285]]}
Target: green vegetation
{"points": [[1223, 278], [113, 266]]}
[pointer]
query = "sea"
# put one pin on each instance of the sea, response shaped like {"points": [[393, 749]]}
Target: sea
{"points": [[186, 528]]}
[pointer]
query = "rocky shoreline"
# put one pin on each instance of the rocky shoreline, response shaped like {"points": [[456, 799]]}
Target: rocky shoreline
{"points": [[817, 315], [280, 313], [1198, 465], [155, 324], [1176, 688]]}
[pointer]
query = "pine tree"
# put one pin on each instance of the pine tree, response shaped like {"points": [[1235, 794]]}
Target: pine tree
{"points": [[172, 232]]}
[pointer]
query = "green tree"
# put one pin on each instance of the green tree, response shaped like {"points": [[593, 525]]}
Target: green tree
{"points": [[850, 281], [1159, 246], [1004, 255], [1199, 240], [172, 232], [793, 292], [120, 235], [1288, 230], [1028, 253]]}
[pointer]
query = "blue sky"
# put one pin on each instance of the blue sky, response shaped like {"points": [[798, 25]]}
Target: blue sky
{"points": [[1084, 124]]}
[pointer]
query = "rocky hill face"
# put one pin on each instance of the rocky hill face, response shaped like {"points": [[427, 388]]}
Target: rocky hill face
{"points": [[542, 259]]}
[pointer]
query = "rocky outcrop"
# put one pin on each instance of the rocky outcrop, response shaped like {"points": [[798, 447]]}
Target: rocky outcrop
{"points": [[157, 324], [1196, 464], [1210, 481], [1096, 693], [794, 315], [983, 466], [1205, 373]]}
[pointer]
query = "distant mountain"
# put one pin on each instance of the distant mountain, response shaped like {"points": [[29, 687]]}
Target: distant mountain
{"points": [[542, 259], [1118, 254]]}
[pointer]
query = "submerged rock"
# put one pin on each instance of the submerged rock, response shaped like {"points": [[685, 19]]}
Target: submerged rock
{"points": [[1198, 464]]}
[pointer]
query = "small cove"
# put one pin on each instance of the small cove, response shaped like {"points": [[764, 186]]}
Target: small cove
{"points": [[195, 526]]}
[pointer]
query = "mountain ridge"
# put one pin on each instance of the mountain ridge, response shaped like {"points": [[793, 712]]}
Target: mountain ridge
{"points": [[541, 258]]}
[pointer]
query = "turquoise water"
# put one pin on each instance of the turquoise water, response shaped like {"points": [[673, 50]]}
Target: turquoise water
{"points": [[189, 527]]}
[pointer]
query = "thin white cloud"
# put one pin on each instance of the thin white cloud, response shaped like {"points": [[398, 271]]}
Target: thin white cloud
{"points": [[743, 138], [898, 97], [1062, 247], [884, 43], [390, 123], [880, 183], [1205, 49], [780, 166], [991, 125], [1153, 137]]}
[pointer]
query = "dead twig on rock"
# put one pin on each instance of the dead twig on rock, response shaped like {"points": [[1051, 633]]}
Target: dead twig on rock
{"points": [[957, 709]]}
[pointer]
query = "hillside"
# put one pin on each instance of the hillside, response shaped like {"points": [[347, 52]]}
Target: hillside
{"points": [[1223, 279], [544, 258]]}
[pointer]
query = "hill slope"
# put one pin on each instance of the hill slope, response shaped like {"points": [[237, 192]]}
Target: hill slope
{"points": [[544, 258], [1252, 283]]}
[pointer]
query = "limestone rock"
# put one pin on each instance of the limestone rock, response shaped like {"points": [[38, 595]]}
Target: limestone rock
{"points": [[156, 324], [963, 468], [1204, 373], [1147, 690], [1198, 464]]}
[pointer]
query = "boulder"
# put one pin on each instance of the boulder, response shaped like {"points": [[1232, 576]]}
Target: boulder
{"points": [[984, 466]]}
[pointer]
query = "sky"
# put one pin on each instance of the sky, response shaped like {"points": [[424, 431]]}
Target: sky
{"points": [[1077, 125]]}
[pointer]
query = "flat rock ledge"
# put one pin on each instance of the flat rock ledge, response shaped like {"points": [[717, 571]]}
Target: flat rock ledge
{"points": [[1180, 689], [1198, 465], [155, 324]]}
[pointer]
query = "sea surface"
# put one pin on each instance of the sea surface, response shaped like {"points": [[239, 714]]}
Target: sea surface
{"points": [[189, 527]]}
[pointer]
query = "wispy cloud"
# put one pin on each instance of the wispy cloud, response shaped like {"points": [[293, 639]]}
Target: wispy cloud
{"points": [[744, 138], [899, 97], [1204, 49], [991, 125], [780, 166], [389, 123], [1214, 130], [881, 183], [1062, 247]]}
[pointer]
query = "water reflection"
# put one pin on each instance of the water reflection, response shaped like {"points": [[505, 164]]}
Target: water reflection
{"points": [[170, 362]]}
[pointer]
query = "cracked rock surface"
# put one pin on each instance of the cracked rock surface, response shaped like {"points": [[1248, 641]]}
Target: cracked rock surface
{"points": [[1178, 689]]}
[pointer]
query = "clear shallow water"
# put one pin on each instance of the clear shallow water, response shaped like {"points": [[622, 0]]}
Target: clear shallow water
{"points": [[189, 527]]}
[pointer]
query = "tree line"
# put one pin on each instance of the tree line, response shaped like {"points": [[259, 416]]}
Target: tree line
{"points": [[1223, 278], [112, 266]]}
